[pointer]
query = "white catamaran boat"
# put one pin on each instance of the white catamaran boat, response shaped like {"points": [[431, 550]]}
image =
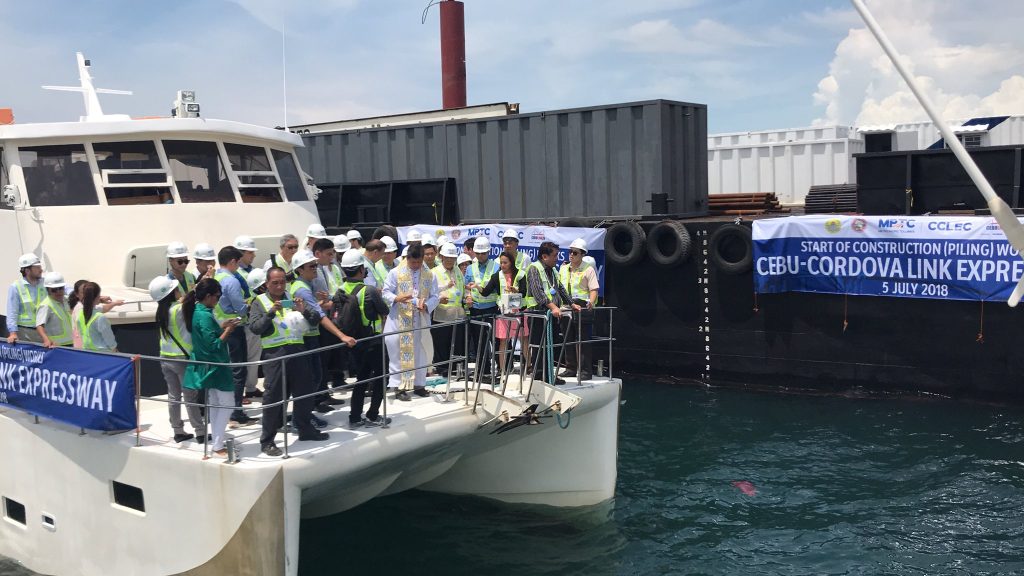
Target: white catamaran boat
{"points": [[101, 199]]}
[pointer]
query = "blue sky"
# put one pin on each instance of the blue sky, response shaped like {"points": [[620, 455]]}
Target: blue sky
{"points": [[757, 64]]}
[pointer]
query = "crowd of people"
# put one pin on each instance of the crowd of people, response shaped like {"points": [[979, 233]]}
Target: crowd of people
{"points": [[317, 293]]}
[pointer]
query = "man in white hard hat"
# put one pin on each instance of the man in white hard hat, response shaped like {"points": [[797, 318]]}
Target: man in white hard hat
{"points": [[304, 264], [374, 253], [510, 245], [313, 233], [387, 260], [411, 295], [206, 259], [580, 280], [361, 316], [341, 245], [451, 286], [481, 307], [177, 262], [429, 252], [247, 246], [289, 245], [356, 240], [463, 262], [414, 238], [280, 338], [24, 297], [257, 280], [53, 319]]}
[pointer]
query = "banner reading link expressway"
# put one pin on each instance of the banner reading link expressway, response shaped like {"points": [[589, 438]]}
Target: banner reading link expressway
{"points": [[92, 391], [955, 258]]}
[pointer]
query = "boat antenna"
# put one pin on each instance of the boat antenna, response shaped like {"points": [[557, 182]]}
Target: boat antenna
{"points": [[284, 70], [93, 111], [1003, 214]]}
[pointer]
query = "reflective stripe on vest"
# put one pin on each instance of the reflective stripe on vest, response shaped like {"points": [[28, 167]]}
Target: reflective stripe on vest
{"points": [[378, 275], [29, 305], [84, 330], [190, 281], [176, 324], [443, 278], [573, 281], [282, 334], [349, 287], [548, 289], [481, 281], [520, 259], [293, 289], [60, 310], [218, 313]]}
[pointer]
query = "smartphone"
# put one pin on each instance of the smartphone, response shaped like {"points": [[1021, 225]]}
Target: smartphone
{"points": [[288, 304]]}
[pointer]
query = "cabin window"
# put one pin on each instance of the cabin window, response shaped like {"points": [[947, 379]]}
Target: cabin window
{"points": [[198, 171], [4, 179], [289, 173], [256, 179], [131, 173], [58, 175], [14, 510]]}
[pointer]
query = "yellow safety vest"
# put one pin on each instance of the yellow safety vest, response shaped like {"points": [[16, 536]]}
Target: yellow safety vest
{"points": [[190, 281], [218, 313], [176, 325], [481, 280], [29, 305], [83, 329], [293, 289], [349, 287], [573, 281], [548, 288], [282, 334], [61, 311], [455, 299], [379, 275]]}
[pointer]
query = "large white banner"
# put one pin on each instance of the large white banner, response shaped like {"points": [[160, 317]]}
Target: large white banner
{"points": [[530, 239]]}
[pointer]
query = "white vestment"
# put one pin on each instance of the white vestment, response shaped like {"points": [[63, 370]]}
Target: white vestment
{"points": [[423, 343]]}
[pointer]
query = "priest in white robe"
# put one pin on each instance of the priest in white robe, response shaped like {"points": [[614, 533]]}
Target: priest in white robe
{"points": [[410, 290]]}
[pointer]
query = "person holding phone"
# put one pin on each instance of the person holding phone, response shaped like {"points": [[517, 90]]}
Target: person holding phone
{"points": [[210, 344]]}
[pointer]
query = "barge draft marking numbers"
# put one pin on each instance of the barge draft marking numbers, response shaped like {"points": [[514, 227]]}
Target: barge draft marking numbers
{"points": [[705, 327]]}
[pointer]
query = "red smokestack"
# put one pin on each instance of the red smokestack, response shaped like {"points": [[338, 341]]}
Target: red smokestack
{"points": [[453, 54]]}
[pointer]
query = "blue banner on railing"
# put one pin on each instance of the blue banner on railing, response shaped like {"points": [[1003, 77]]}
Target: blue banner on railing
{"points": [[954, 258], [92, 391]]}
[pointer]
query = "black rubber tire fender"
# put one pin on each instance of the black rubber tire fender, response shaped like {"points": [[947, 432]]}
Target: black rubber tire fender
{"points": [[669, 243], [624, 243], [722, 249], [386, 230]]}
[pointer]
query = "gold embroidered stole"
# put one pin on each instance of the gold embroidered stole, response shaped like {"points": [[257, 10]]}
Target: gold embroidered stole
{"points": [[406, 314]]}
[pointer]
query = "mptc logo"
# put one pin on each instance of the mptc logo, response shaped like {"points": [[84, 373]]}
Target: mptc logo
{"points": [[895, 224], [833, 225]]}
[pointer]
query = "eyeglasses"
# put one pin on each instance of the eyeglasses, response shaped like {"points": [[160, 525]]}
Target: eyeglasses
{"points": [[291, 246], [575, 252], [182, 261]]}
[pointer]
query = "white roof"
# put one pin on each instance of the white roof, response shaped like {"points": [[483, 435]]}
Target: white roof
{"points": [[877, 129], [145, 128], [971, 128]]}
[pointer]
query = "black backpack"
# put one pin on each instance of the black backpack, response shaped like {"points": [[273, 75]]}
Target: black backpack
{"points": [[346, 314]]}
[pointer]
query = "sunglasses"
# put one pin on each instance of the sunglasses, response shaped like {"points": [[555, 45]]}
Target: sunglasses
{"points": [[291, 246], [575, 252], [182, 260]]}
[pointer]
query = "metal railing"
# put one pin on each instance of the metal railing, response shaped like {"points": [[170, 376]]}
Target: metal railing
{"points": [[537, 351]]}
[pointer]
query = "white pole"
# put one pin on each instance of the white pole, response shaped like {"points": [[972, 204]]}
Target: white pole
{"points": [[1000, 211]]}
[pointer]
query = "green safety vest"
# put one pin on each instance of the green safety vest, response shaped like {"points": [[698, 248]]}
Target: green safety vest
{"points": [[190, 281], [382, 271], [334, 278], [218, 313], [520, 260], [528, 301], [548, 289], [176, 324], [350, 287], [481, 280], [61, 311], [573, 281], [29, 305], [282, 334], [443, 277], [375, 269], [83, 329], [293, 289]]}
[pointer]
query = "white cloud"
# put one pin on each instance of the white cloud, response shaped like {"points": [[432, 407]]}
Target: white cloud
{"points": [[704, 37], [950, 48]]}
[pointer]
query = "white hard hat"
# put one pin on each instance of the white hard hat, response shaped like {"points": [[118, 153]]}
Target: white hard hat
{"points": [[389, 244], [161, 286], [177, 250], [204, 252], [54, 280], [579, 244], [256, 278], [342, 243], [351, 259], [302, 257], [26, 260], [449, 250], [405, 251], [481, 244], [354, 235], [510, 233], [463, 258], [442, 240], [428, 240], [414, 236], [245, 244], [316, 231]]}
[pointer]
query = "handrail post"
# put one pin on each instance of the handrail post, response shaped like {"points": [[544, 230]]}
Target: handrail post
{"points": [[284, 406], [611, 320], [465, 354], [138, 401], [384, 378]]}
